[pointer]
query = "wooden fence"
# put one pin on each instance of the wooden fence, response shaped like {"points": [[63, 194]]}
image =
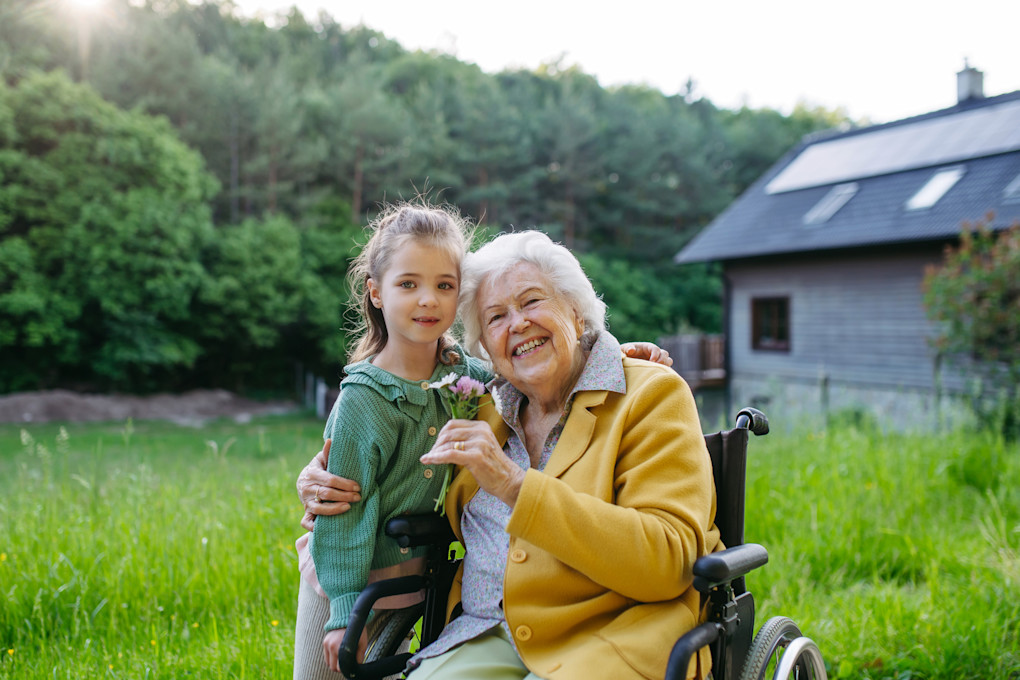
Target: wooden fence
{"points": [[700, 359]]}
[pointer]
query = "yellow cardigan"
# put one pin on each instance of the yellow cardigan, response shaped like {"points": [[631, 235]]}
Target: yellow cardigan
{"points": [[602, 543]]}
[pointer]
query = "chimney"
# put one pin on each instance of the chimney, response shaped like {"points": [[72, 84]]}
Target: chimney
{"points": [[970, 84]]}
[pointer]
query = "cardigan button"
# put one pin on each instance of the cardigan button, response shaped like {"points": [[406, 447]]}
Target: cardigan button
{"points": [[432, 431], [424, 384], [404, 551], [518, 555], [428, 473], [523, 633]]}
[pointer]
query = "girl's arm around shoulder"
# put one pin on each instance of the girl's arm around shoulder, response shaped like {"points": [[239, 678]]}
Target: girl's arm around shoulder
{"points": [[648, 351]]}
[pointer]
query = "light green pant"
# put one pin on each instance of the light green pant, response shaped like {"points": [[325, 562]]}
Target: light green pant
{"points": [[487, 657]]}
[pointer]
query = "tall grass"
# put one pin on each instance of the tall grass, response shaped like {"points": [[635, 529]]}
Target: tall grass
{"points": [[150, 551], [157, 551], [899, 554]]}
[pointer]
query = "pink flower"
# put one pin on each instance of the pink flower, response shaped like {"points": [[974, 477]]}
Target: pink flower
{"points": [[462, 396], [468, 388]]}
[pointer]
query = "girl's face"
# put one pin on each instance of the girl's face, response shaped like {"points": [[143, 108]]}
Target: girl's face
{"points": [[417, 294]]}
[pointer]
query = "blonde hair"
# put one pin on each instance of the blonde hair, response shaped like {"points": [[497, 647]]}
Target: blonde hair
{"points": [[439, 226]]}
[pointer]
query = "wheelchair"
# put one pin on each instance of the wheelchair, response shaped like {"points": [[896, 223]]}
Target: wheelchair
{"points": [[778, 650]]}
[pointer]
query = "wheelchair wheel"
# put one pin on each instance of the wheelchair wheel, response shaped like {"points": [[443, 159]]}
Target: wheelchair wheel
{"points": [[769, 646], [388, 630]]}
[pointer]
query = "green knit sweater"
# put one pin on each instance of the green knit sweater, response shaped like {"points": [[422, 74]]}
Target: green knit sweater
{"points": [[380, 427]]}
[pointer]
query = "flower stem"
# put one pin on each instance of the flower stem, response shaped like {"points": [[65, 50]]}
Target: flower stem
{"points": [[442, 492]]}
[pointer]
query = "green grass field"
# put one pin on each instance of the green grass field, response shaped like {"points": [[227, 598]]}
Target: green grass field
{"points": [[149, 550]]}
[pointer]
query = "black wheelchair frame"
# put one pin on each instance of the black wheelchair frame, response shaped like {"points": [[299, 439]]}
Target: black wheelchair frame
{"points": [[719, 577], [779, 647]]}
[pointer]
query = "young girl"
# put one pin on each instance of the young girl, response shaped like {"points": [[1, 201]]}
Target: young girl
{"points": [[406, 281]]}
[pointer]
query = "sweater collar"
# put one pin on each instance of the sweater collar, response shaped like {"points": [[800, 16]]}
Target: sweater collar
{"points": [[409, 396]]}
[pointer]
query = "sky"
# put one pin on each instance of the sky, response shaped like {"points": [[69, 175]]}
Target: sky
{"points": [[877, 60]]}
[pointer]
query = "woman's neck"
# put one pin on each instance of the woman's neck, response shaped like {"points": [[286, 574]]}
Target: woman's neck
{"points": [[550, 400], [410, 362]]}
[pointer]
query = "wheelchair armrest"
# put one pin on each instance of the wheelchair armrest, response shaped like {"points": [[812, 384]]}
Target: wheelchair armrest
{"points": [[349, 665], [416, 530], [721, 567]]}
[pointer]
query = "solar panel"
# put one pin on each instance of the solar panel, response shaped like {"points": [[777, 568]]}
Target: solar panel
{"points": [[934, 141]]}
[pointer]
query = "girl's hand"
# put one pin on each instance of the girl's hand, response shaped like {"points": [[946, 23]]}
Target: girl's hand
{"points": [[646, 350], [471, 443], [331, 647], [323, 493]]}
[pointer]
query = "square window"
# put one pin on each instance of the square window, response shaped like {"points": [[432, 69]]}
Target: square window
{"points": [[770, 323]]}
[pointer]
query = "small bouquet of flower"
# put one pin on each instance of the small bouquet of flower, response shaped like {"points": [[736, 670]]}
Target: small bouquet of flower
{"points": [[464, 397]]}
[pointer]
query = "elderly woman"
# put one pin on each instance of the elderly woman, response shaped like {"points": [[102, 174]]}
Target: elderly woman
{"points": [[583, 497]]}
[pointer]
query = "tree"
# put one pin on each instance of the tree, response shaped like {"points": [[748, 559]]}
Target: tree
{"points": [[974, 296], [31, 38], [103, 214], [646, 303], [572, 123], [363, 130], [298, 118], [253, 294]]}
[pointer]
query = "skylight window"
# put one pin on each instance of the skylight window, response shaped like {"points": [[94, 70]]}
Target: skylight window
{"points": [[835, 199], [1011, 194], [936, 187]]}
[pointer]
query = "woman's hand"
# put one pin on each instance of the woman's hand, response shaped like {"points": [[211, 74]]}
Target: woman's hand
{"points": [[647, 350], [331, 647], [471, 443], [323, 493]]}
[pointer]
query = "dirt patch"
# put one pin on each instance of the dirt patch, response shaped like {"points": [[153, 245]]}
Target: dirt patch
{"points": [[190, 408]]}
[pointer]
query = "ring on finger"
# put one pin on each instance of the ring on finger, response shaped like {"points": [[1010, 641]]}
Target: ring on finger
{"points": [[458, 445], [317, 487]]}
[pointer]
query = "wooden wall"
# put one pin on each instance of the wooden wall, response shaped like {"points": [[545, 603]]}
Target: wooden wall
{"points": [[857, 320]]}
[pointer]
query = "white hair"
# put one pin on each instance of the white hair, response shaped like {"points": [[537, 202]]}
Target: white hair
{"points": [[501, 254]]}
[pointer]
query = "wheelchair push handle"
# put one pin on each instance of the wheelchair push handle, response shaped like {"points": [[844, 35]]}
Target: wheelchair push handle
{"points": [[754, 420]]}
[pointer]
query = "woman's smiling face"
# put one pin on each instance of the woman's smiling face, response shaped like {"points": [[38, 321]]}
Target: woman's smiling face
{"points": [[529, 330]]}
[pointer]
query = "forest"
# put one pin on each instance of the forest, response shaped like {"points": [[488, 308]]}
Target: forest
{"points": [[182, 186]]}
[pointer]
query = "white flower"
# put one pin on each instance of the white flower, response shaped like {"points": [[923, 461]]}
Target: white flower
{"points": [[448, 379]]}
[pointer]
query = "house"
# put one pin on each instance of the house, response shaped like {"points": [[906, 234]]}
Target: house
{"points": [[823, 258]]}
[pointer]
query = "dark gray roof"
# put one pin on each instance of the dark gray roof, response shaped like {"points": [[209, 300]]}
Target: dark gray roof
{"points": [[982, 139]]}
